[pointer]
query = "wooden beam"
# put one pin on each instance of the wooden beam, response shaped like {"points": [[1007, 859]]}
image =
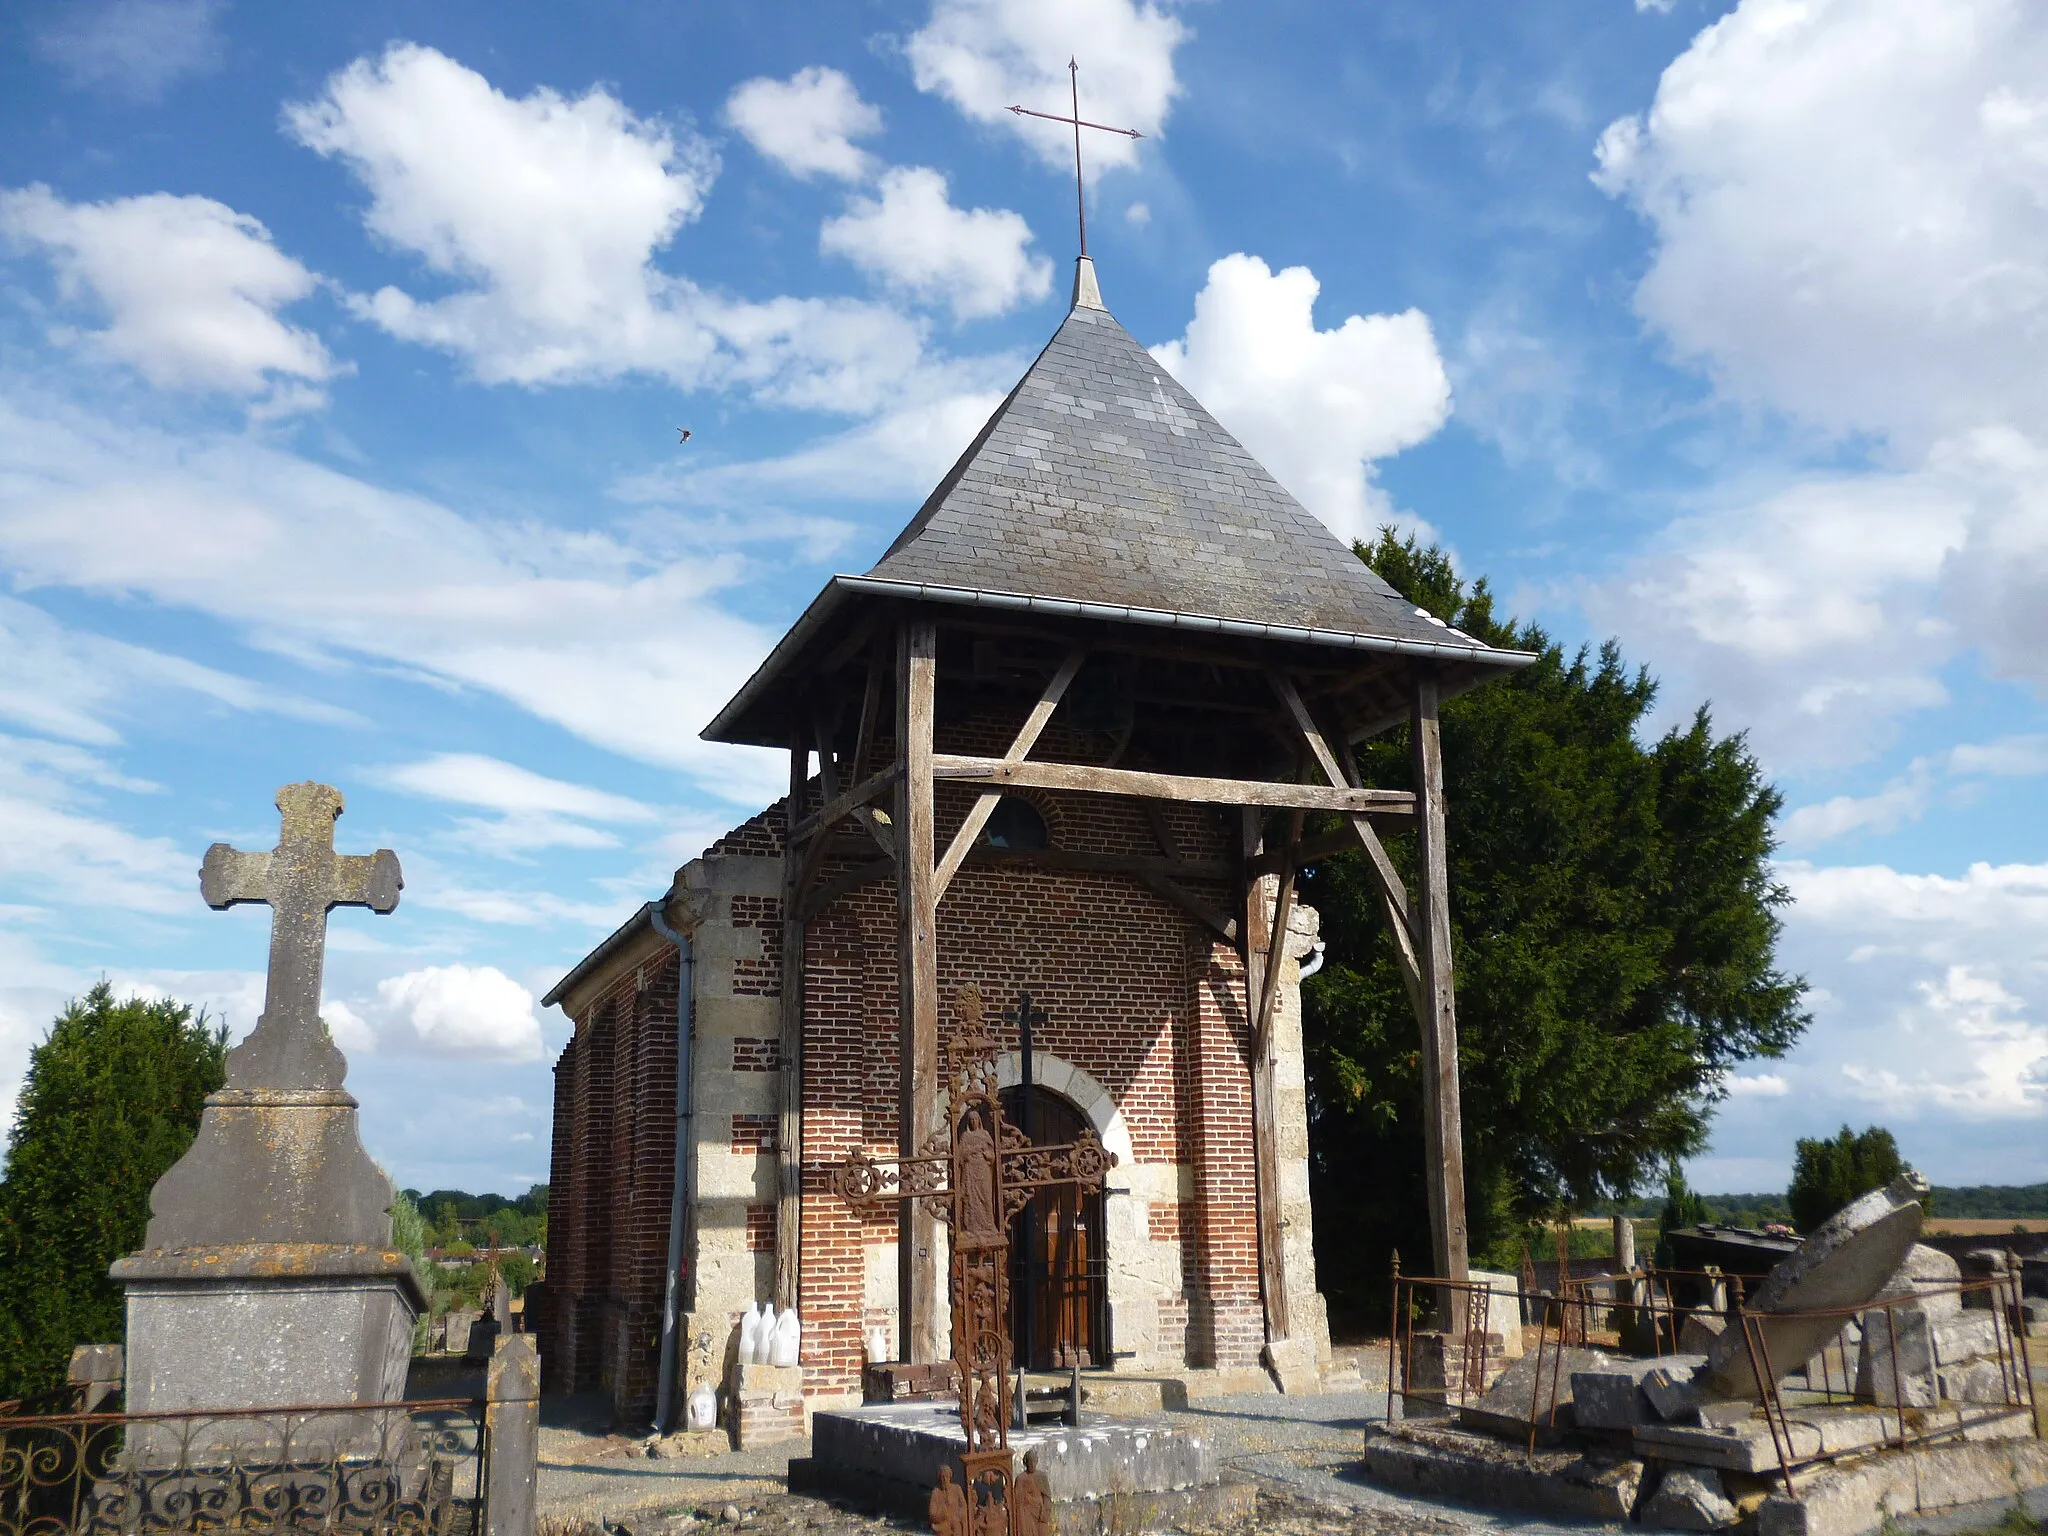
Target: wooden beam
{"points": [[863, 745], [843, 804], [1261, 960], [920, 1260], [1393, 895], [1020, 748], [798, 865], [1162, 786], [1162, 831], [845, 882], [1276, 948], [1444, 1152]]}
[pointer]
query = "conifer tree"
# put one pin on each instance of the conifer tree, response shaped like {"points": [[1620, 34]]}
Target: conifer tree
{"points": [[1829, 1172], [1614, 927], [111, 1100]]}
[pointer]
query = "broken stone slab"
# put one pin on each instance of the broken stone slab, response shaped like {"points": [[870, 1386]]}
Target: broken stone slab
{"points": [[1702, 1325], [1689, 1499], [1449, 1463], [1672, 1391], [1811, 1432], [1612, 1397], [1844, 1263], [1864, 1495], [1521, 1398]]}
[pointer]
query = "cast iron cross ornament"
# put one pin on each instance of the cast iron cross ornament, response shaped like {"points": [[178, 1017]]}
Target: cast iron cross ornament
{"points": [[1074, 85], [978, 1173], [300, 880]]}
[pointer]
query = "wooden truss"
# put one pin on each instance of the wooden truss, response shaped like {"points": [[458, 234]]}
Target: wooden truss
{"points": [[854, 786]]}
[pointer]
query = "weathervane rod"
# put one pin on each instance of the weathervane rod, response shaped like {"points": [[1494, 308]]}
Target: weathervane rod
{"points": [[1080, 198], [1079, 122]]}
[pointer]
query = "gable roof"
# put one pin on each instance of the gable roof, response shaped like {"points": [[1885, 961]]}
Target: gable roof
{"points": [[1101, 488]]}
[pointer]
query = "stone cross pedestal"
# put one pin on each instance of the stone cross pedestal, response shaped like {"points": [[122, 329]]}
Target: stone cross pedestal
{"points": [[269, 1279]]}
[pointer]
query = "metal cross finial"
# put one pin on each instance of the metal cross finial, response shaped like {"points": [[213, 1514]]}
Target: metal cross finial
{"points": [[1074, 86], [300, 880]]}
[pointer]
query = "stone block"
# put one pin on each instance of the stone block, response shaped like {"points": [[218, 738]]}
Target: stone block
{"points": [[1670, 1391], [1503, 1309], [1865, 1495], [1924, 1342], [1521, 1396], [1689, 1499], [96, 1370], [1701, 1327], [1612, 1397], [1292, 1363]]}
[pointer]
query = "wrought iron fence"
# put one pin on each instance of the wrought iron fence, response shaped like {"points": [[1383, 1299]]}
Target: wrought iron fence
{"points": [[376, 1469], [1992, 1384]]}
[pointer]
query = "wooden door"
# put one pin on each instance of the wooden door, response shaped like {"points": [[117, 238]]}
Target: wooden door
{"points": [[1057, 1263]]}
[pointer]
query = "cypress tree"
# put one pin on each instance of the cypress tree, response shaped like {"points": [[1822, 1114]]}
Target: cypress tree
{"points": [[111, 1100], [1829, 1172]]}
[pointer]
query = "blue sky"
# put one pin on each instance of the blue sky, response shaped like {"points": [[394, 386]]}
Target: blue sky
{"points": [[342, 352]]}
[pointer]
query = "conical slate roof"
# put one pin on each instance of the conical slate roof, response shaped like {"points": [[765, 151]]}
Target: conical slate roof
{"points": [[1102, 490], [1101, 480]]}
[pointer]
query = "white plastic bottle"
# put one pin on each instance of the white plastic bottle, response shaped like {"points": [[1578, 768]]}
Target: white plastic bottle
{"points": [[789, 1333], [764, 1339], [703, 1407], [750, 1335]]}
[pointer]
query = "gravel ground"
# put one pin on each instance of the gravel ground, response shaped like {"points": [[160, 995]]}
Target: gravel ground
{"points": [[1300, 1452]]}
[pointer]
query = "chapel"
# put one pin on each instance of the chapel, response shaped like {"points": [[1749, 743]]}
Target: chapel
{"points": [[1068, 741]]}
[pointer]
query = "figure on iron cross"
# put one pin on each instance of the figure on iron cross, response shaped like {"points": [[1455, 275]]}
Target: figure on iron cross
{"points": [[978, 1172]]}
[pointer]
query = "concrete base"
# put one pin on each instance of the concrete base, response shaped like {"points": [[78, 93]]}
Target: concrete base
{"points": [[267, 1326], [768, 1405], [1853, 1499], [1107, 1471]]}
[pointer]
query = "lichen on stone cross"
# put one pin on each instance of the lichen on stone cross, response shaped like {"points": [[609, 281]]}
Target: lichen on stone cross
{"points": [[301, 880]]}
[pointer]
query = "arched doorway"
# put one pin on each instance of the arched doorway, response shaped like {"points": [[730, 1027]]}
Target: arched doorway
{"points": [[1059, 1312]]}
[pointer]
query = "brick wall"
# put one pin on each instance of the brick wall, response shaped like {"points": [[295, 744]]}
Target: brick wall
{"points": [[1139, 1002]]}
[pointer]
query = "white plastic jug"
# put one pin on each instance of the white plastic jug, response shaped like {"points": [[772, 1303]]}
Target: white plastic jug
{"points": [[764, 1339], [750, 1335], [703, 1411], [789, 1333]]}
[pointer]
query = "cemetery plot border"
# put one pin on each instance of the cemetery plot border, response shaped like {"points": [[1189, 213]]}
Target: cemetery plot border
{"points": [[350, 1469]]}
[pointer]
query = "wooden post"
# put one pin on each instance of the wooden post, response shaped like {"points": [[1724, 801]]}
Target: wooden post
{"points": [[1264, 945], [790, 1128], [1442, 1128], [919, 1261]]}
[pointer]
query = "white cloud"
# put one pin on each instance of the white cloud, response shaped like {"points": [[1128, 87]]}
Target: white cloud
{"points": [[474, 1013], [548, 211], [623, 646], [984, 56], [65, 683], [191, 289], [58, 848], [135, 50], [1315, 407], [1850, 204], [1934, 1021], [912, 238], [807, 123], [1658, 7], [1138, 215], [533, 811], [1762, 1085], [1907, 797]]}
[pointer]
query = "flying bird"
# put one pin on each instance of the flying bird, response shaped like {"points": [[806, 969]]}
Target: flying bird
{"points": [[685, 431]]}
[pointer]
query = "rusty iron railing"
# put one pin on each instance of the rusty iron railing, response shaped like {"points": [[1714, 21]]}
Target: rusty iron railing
{"points": [[1998, 1297], [351, 1469]]}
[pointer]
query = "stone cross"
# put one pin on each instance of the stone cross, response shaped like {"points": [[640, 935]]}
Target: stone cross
{"points": [[300, 880]]}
